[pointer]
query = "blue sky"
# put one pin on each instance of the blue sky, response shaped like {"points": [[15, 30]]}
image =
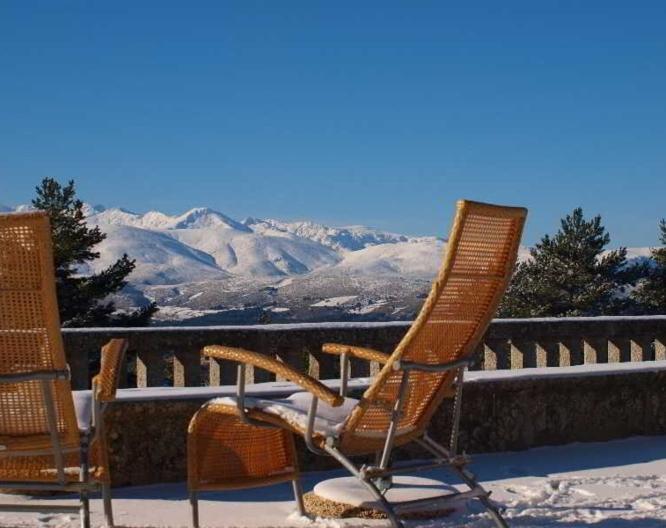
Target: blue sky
{"points": [[378, 113]]}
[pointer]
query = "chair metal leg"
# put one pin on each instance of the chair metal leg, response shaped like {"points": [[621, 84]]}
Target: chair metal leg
{"points": [[372, 488], [298, 496], [494, 513], [385, 504], [84, 510], [84, 477], [488, 504], [469, 479], [108, 509], [194, 505]]}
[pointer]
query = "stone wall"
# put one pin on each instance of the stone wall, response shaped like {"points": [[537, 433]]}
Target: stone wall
{"points": [[500, 412]]}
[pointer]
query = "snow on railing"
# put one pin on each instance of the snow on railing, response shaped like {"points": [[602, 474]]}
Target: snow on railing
{"points": [[162, 356]]}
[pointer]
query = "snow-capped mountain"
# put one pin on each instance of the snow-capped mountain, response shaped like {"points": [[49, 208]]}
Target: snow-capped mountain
{"points": [[204, 267], [197, 218], [349, 238], [418, 257], [232, 246], [160, 259]]}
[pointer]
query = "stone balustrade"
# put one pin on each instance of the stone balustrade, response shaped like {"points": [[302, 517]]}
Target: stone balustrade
{"points": [[160, 356]]}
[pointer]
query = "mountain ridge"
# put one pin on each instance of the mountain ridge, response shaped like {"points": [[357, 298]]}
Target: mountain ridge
{"points": [[204, 267]]}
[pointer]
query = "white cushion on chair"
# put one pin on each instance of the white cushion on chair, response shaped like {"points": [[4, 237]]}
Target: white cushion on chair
{"points": [[295, 408]]}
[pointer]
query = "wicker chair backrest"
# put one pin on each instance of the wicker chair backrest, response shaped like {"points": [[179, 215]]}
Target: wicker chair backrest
{"points": [[30, 339], [479, 260]]}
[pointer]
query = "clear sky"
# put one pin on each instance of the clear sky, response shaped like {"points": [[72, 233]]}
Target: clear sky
{"points": [[377, 113]]}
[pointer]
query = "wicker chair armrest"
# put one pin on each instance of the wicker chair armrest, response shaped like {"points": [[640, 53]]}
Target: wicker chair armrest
{"points": [[261, 361], [106, 382], [358, 352]]}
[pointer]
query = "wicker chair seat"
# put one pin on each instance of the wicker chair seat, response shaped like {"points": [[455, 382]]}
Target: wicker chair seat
{"points": [[294, 411], [42, 469]]}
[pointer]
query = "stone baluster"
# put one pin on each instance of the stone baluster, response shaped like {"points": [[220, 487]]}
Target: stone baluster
{"points": [[523, 354], [187, 368], [619, 349], [497, 354], [642, 349], [221, 372], [548, 353], [150, 368], [660, 347], [571, 352], [595, 350]]}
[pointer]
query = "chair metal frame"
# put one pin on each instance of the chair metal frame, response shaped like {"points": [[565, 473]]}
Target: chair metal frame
{"points": [[29, 253], [377, 477], [85, 484]]}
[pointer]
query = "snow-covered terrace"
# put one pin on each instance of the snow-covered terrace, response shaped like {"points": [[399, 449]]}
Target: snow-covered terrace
{"points": [[539, 383], [618, 484]]}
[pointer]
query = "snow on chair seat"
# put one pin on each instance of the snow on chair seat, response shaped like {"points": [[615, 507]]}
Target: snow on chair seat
{"points": [[294, 410]]}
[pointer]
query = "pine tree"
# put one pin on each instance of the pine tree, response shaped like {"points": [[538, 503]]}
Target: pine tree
{"points": [[83, 299], [651, 294], [571, 275]]}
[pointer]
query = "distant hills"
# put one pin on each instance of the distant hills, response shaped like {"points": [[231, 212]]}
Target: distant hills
{"points": [[204, 267]]}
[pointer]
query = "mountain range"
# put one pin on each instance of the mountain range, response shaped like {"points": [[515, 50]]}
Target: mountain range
{"points": [[204, 267]]}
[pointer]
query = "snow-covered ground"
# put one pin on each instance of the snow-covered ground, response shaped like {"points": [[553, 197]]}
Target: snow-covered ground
{"points": [[618, 484]]}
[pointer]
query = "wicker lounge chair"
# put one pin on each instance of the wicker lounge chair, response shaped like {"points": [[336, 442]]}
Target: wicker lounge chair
{"points": [[426, 367], [50, 437]]}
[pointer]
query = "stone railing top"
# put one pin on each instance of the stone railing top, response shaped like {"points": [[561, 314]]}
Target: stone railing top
{"points": [[218, 328], [528, 322], [577, 371], [284, 389]]}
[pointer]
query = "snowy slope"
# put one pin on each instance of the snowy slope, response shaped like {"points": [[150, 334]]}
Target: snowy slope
{"points": [[233, 246], [418, 257], [253, 254], [349, 238], [160, 259], [199, 217]]}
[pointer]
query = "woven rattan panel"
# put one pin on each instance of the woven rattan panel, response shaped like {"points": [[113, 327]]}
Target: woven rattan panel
{"points": [[223, 452], [30, 336]]}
